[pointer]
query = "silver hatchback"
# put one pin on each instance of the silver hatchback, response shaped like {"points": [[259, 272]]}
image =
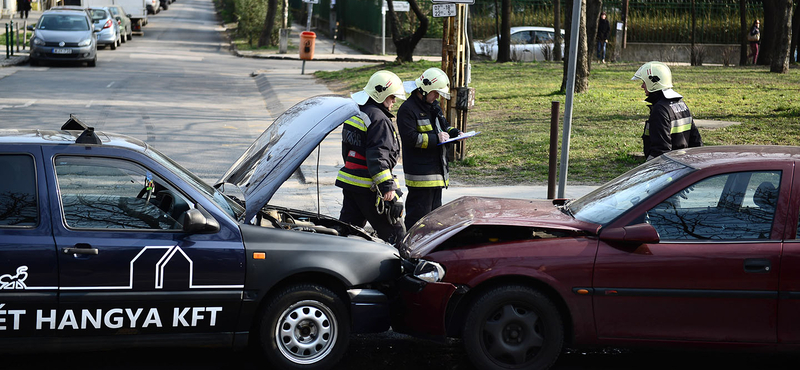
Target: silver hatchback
{"points": [[109, 34], [64, 35]]}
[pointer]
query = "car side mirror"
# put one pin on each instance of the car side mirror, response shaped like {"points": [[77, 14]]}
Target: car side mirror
{"points": [[118, 19], [128, 15], [632, 234], [198, 221]]}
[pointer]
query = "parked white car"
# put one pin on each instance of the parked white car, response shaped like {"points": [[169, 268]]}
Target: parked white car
{"points": [[527, 44]]}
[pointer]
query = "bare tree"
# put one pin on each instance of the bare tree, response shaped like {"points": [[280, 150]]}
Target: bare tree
{"points": [[745, 29], [581, 66], [558, 53], [504, 38], [593, 9], [269, 23], [405, 45]]}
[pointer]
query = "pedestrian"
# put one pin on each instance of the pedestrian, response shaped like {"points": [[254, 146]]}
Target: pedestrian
{"points": [[603, 29], [754, 37], [422, 128], [370, 150], [23, 7], [670, 125]]}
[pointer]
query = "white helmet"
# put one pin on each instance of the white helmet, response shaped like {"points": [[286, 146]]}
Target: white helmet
{"points": [[434, 79], [656, 76], [380, 86]]}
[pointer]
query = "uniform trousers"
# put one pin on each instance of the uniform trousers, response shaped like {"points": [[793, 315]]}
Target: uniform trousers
{"points": [[358, 208], [420, 202]]}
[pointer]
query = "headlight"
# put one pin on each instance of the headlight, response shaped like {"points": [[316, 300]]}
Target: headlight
{"points": [[431, 272], [86, 42], [38, 41]]}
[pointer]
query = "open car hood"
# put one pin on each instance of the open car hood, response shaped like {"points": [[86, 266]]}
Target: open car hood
{"points": [[283, 146]]}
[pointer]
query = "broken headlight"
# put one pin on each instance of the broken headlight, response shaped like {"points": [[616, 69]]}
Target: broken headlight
{"points": [[431, 272]]}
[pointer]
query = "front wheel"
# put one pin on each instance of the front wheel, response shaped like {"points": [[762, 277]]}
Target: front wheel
{"points": [[513, 327], [305, 326]]}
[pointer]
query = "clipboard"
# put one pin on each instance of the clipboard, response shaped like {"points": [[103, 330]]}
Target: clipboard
{"points": [[463, 136]]}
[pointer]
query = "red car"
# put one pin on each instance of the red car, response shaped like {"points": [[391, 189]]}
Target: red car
{"points": [[697, 248]]}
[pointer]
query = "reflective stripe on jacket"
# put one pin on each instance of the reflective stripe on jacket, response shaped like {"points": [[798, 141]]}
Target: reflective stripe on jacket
{"points": [[669, 127]]}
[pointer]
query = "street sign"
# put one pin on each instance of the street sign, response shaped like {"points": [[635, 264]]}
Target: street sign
{"points": [[444, 10], [399, 6], [470, 2]]}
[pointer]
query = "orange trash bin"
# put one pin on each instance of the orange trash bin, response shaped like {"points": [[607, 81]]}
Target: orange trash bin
{"points": [[307, 40]]}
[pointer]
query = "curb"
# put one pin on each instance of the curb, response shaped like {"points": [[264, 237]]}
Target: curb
{"points": [[14, 61], [292, 57]]}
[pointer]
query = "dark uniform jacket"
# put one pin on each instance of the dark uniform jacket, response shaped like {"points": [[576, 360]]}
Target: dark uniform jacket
{"points": [[424, 161], [370, 149], [669, 127]]}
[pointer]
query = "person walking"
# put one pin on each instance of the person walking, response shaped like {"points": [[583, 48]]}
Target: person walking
{"points": [[422, 129], [603, 29], [670, 125], [23, 7], [754, 37], [371, 149]]}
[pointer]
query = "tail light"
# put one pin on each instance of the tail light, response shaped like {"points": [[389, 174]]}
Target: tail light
{"points": [[108, 24]]}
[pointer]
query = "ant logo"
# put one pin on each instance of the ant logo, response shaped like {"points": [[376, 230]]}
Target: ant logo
{"points": [[15, 282]]}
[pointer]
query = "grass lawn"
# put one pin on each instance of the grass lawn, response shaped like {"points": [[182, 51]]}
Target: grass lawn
{"points": [[512, 110]]}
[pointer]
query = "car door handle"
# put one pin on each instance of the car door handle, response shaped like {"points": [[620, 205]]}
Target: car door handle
{"points": [[81, 248], [757, 265]]}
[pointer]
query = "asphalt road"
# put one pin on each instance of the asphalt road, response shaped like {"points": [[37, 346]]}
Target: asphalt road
{"points": [[178, 88]]}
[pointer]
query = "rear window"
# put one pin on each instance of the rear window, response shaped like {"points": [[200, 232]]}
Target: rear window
{"points": [[18, 203], [98, 14], [113, 11], [64, 22]]}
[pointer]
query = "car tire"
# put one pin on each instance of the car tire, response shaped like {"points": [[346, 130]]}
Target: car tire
{"points": [[122, 39], [33, 62], [92, 63], [114, 45], [305, 326], [513, 327], [129, 36]]}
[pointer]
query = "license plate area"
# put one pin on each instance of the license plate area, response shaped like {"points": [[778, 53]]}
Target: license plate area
{"points": [[62, 51]]}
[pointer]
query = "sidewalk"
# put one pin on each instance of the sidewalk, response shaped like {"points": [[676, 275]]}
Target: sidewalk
{"points": [[20, 57], [326, 49]]}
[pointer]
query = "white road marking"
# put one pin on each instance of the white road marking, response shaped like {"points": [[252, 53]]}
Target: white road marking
{"points": [[111, 84]]}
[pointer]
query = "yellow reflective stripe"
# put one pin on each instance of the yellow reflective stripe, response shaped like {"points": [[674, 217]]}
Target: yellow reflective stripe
{"points": [[424, 144], [354, 180], [681, 125], [382, 176], [426, 184], [357, 123], [424, 125]]}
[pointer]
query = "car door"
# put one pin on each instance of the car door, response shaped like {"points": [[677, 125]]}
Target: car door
{"points": [[714, 274], [28, 265], [522, 46], [126, 266]]}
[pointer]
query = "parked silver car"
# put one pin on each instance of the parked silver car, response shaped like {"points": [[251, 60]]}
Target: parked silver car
{"points": [[527, 44], [64, 35], [109, 34], [124, 21]]}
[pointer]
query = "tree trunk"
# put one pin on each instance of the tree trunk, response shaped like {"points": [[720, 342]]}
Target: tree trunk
{"points": [[405, 45], [504, 39], [693, 57], [593, 9], [775, 35], [744, 46], [269, 24], [581, 65], [558, 54], [793, 47]]}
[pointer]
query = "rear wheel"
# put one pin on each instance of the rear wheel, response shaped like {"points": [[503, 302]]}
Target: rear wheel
{"points": [[513, 327], [114, 45], [305, 326]]}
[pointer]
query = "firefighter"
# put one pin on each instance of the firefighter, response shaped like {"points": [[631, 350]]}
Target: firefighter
{"points": [[370, 149], [670, 125], [422, 127]]}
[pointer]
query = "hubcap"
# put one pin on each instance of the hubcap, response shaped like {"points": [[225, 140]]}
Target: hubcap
{"points": [[512, 334], [306, 332]]}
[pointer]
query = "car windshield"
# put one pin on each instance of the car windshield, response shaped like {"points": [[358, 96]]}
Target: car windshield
{"points": [[113, 11], [224, 203], [98, 14], [616, 197], [63, 22]]}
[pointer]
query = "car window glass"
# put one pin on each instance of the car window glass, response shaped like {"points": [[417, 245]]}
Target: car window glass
{"points": [[523, 37], [98, 14], [725, 207], [64, 23], [18, 203], [113, 11], [105, 193], [544, 37]]}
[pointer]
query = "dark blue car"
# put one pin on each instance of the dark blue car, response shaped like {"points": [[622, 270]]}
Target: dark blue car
{"points": [[105, 242]]}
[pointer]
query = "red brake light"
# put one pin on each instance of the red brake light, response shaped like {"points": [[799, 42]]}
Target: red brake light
{"points": [[107, 25]]}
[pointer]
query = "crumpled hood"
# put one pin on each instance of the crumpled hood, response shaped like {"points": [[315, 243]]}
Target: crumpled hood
{"points": [[283, 146], [446, 221]]}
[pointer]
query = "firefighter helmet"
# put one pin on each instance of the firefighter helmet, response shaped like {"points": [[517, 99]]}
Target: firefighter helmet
{"points": [[434, 79], [656, 76], [381, 85]]}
